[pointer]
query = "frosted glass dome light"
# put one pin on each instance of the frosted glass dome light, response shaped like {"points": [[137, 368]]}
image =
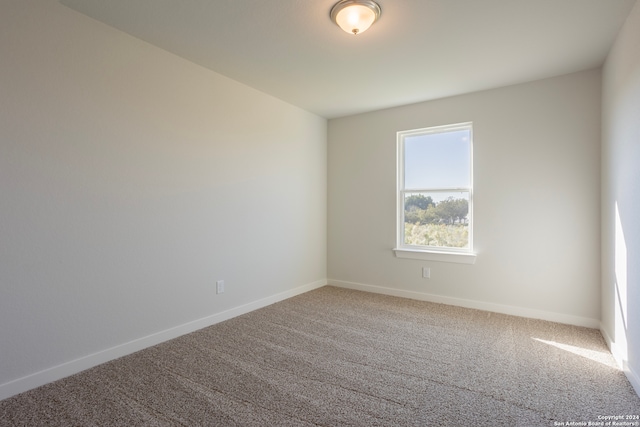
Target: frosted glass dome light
{"points": [[355, 16]]}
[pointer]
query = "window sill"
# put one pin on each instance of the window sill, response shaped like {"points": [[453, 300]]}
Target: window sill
{"points": [[455, 257]]}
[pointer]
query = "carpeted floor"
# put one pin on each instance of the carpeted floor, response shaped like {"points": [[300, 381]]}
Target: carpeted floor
{"points": [[336, 357]]}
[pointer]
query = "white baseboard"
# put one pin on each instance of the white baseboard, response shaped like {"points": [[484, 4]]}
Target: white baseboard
{"points": [[478, 305], [620, 358], [633, 378], [66, 369]]}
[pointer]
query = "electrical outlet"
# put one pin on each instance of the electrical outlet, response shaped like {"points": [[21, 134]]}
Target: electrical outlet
{"points": [[220, 287], [426, 272]]}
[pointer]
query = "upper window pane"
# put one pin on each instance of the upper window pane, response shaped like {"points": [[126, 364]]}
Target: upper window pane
{"points": [[438, 160]]}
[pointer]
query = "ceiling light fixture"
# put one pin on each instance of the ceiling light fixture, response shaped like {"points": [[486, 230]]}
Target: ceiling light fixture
{"points": [[355, 16]]}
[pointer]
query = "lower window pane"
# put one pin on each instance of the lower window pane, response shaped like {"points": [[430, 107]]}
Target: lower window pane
{"points": [[437, 219]]}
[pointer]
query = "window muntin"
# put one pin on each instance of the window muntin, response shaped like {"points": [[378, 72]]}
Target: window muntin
{"points": [[435, 189]]}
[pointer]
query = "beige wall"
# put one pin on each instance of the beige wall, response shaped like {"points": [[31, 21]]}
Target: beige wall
{"points": [[621, 198], [536, 175], [130, 181]]}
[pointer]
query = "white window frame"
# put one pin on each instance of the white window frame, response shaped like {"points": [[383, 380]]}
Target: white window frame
{"points": [[432, 253]]}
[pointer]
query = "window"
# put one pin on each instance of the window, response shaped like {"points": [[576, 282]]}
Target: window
{"points": [[435, 194]]}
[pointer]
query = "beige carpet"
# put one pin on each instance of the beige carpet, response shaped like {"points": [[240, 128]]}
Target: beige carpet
{"points": [[335, 357]]}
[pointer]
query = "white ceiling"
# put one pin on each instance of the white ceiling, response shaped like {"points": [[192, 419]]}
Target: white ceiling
{"points": [[419, 49]]}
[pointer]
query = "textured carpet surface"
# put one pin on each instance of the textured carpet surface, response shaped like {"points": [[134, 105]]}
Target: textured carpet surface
{"points": [[336, 357]]}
